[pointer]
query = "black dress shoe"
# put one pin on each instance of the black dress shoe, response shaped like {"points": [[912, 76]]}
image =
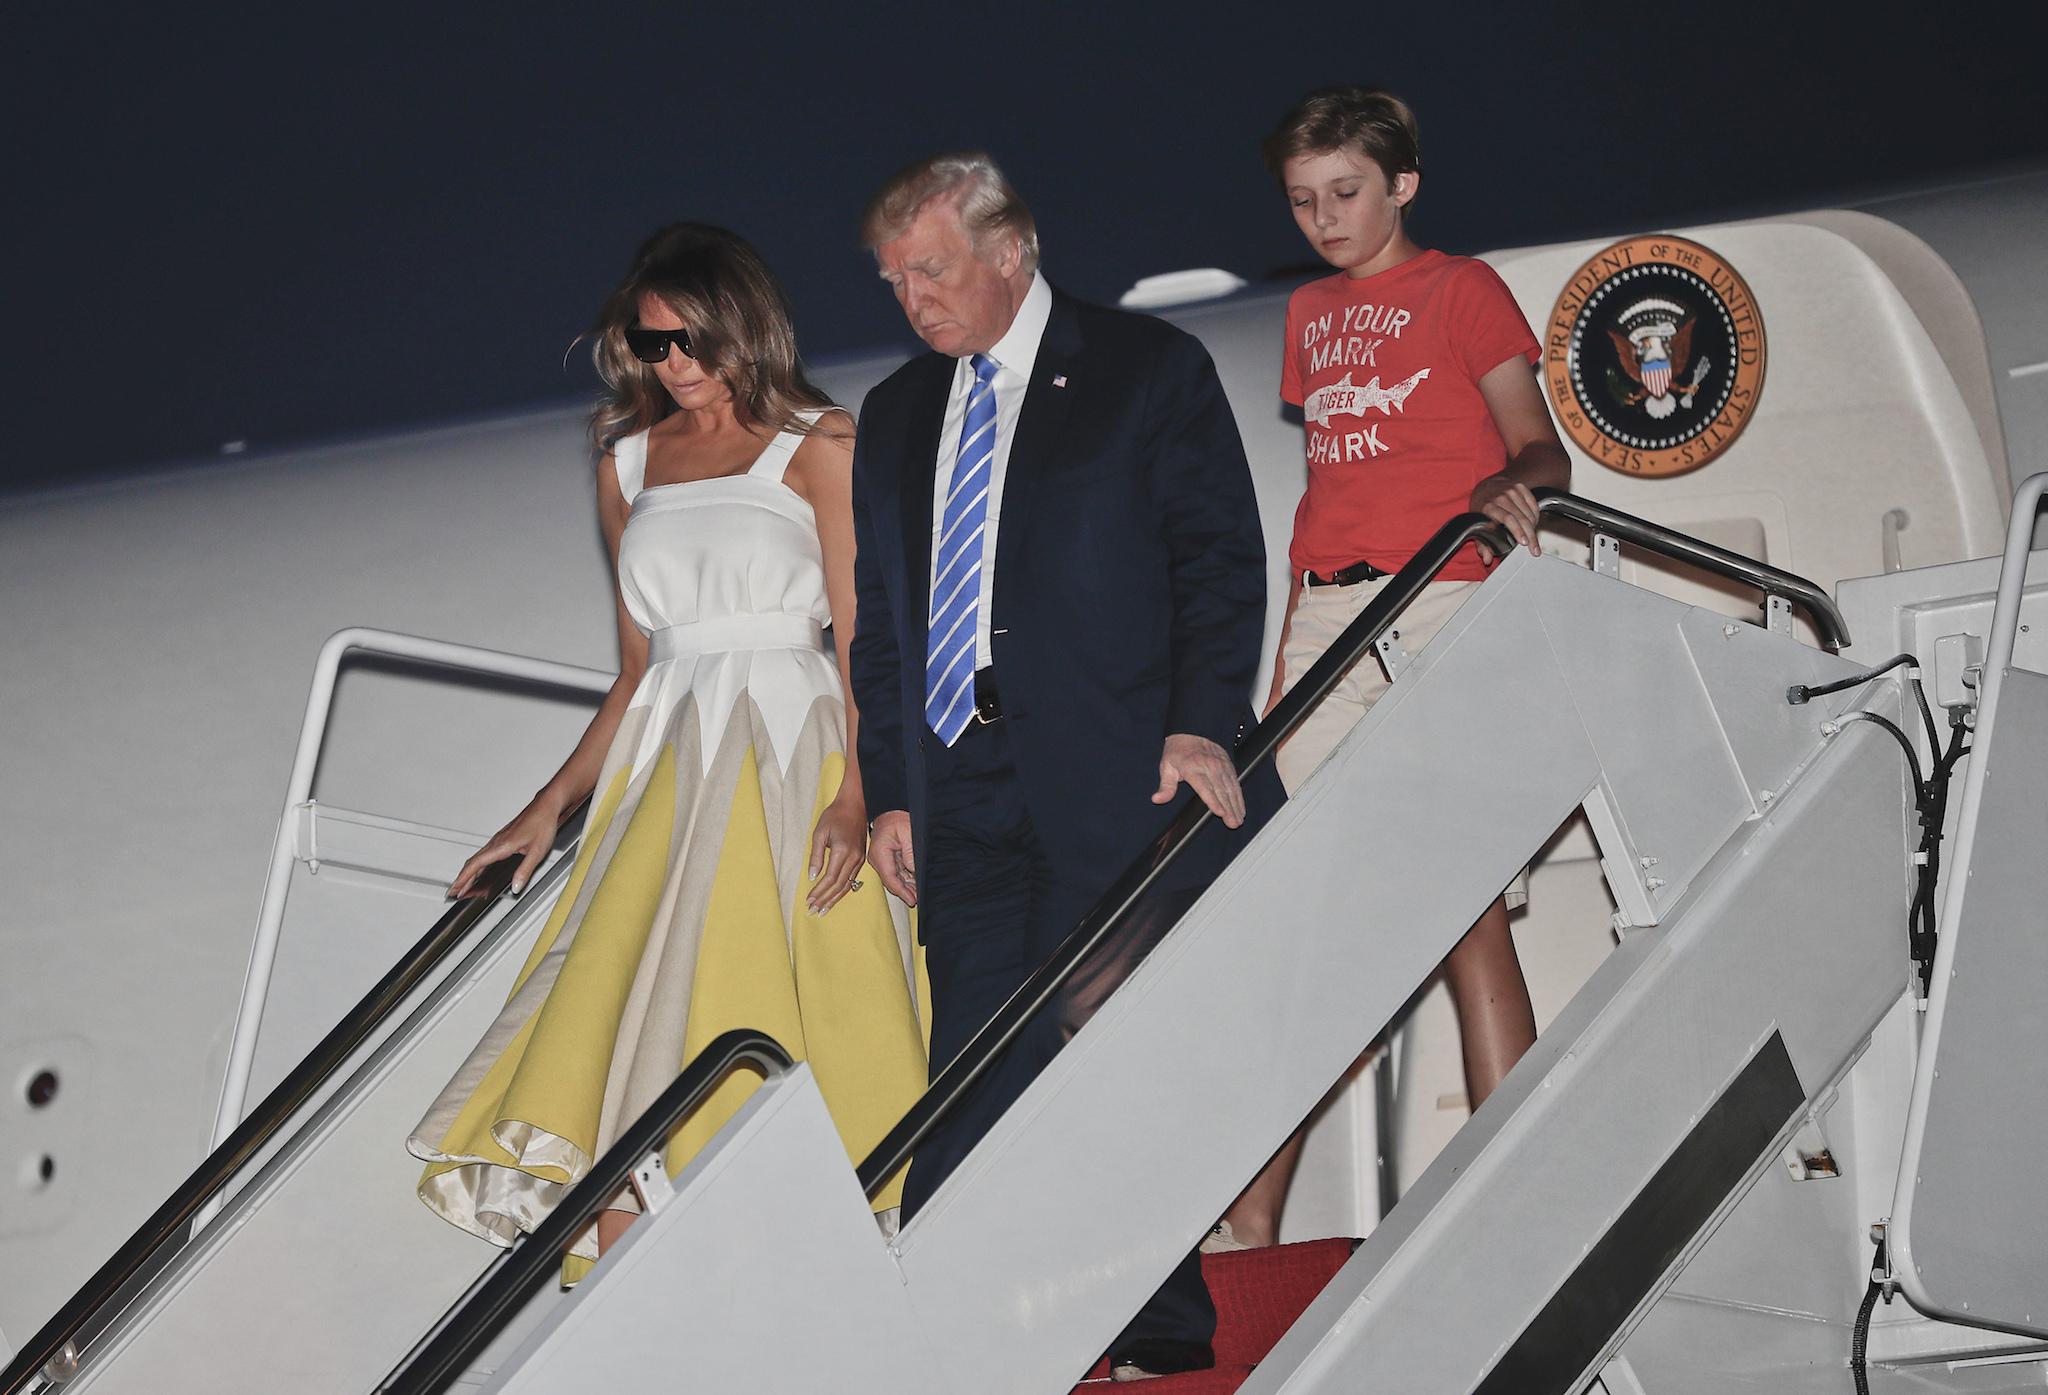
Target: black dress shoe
{"points": [[1146, 1357]]}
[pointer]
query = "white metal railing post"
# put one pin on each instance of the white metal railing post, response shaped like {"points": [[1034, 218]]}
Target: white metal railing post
{"points": [[2005, 612], [2005, 623], [312, 733]]}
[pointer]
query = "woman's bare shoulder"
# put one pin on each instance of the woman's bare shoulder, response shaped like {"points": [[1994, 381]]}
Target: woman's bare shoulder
{"points": [[822, 464], [835, 424]]}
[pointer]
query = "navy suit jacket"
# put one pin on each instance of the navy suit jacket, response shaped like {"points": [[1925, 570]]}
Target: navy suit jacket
{"points": [[1129, 590]]}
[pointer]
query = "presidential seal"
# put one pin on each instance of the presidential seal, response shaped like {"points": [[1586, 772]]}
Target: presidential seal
{"points": [[1654, 356]]}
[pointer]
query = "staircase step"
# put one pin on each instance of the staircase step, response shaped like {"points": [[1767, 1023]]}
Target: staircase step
{"points": [[1259, 1293]]}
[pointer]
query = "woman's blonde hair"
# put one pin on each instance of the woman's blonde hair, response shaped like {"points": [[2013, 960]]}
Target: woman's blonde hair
{"points": [[740, 331]]}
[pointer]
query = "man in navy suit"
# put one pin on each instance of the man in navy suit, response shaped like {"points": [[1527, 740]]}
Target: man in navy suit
{"points": [[1061, 600]]}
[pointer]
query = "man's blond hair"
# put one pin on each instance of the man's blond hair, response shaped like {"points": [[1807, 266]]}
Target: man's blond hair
{"points": [[989, 207]]}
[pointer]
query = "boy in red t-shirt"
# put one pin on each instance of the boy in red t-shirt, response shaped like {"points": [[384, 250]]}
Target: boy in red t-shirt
{"points": [[1415, 375]]}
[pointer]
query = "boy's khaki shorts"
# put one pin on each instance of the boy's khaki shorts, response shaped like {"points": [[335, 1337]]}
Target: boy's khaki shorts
{"points": [[1320, 615]]}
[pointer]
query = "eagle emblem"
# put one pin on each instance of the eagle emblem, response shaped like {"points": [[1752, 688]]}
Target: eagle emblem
{"points": [[1654, 355], [1653, 341]]}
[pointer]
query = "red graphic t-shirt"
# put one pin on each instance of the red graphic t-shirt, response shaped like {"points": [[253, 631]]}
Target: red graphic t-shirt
{"points": [[1386, 371]]}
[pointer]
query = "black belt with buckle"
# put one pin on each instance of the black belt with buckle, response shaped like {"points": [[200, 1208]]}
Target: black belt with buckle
{"points": [[1350, 576], [988, 703]]}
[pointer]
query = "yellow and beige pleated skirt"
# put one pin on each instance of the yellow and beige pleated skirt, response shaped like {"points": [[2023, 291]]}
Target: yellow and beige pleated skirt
{"points": [[683, 917]]}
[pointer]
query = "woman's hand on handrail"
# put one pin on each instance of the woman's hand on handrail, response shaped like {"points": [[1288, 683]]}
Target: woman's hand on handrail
{"points": [[529, 837]]}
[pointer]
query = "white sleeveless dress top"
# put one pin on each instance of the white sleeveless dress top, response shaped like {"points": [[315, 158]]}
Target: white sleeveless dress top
{"points": [[726, 579]]}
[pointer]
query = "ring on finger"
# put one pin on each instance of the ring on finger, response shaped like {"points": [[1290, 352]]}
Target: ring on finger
{"points": [[853, 885]]}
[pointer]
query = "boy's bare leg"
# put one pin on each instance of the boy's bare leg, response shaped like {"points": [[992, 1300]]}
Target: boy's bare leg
{"points": [[1255, 1216], [611, 1224], [1495, 1019], [1496, 1024]]}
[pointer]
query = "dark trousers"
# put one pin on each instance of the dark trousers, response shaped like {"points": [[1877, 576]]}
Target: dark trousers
{"points": [[991, 909]]}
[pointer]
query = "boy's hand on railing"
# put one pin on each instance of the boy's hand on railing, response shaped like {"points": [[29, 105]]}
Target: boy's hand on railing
{"points": [[1512, 506]]}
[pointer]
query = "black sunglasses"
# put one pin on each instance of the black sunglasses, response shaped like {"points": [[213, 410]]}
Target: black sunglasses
{"points": [[651, 345]]}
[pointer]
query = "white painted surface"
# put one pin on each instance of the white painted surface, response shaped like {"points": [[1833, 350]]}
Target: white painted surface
{"points": [[1977, 1256], [325, 1268], [1509, 1211], [764, 1272]]}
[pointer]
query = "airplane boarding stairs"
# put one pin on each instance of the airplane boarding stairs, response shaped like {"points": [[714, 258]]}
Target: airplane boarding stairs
{"points": [[1757, 852]]}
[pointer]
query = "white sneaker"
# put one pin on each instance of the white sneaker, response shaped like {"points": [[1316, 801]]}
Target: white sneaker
{"points": [[1220, 1240]]}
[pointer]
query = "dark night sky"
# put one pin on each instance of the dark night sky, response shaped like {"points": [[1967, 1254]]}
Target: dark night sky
{"points": [[284, 224]]}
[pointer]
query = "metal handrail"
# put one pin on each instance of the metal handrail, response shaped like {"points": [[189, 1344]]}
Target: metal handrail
{"points": [[1108, 912], [113, 1280], [495, 1298], [464, 658], [2005, 609], [1655, 537]]}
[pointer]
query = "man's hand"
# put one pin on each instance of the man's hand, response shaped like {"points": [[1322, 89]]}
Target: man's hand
{"points": [[1207, 769], [1511, 504], [890, 852]]}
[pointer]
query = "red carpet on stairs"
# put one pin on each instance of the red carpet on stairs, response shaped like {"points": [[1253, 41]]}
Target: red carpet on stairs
{"points": [[1259, 1294]]}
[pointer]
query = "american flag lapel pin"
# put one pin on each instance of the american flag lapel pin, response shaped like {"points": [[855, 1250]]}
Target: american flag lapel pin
{"points": [[1059, 380]]}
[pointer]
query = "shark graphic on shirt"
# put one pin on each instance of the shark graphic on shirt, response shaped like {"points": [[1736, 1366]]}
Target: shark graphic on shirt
{"points": [[1344, 398]]}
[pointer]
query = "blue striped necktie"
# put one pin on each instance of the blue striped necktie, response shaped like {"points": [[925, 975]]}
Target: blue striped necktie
{"points": [[956, 583]]}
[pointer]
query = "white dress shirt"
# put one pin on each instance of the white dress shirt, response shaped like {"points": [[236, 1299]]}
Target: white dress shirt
{"points": [[1014, 354]]}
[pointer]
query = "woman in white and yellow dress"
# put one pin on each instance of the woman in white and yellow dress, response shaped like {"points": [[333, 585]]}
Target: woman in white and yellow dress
{"points": [[721, 881]]}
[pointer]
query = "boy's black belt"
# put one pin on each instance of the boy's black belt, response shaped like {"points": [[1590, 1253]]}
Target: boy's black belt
{"points": [[1349, 576]]}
